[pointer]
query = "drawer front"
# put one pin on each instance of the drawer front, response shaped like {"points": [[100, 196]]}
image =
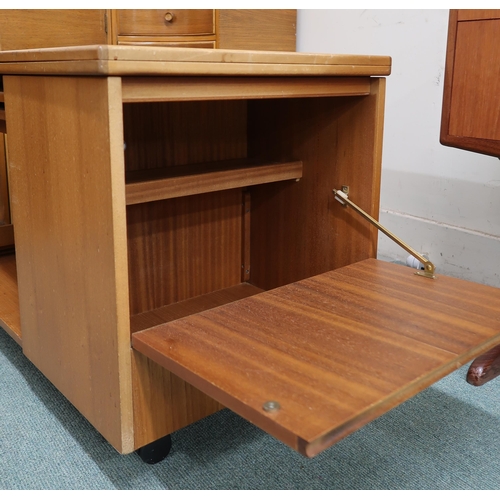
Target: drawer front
{"points": [[181, 42], [166, 22]]}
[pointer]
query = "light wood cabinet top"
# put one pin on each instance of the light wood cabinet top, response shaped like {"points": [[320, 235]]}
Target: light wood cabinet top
{"points": [[129, 60]]}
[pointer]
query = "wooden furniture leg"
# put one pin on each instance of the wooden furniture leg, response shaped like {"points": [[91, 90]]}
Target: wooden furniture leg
{"points": [[485, 367]]}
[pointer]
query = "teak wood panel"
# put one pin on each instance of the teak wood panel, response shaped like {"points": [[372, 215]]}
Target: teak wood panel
{"points": [[34, 28], [188, 180], [335, 351], [183, 42], [475, 99], [477, 14], [4, 190], [295, 232], [115, 60], [184, 247], [164, 403], [180, 248], [153, 22], [194, 305], [10, 319], [157, 89], [256, 29], [159, 135], [471, 78], [68, 199]]}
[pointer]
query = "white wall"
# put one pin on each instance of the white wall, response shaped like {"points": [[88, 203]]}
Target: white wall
{"points": [[443, 201]]}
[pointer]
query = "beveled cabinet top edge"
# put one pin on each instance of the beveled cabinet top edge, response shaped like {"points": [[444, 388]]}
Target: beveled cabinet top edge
{"points": [[137, 60]]}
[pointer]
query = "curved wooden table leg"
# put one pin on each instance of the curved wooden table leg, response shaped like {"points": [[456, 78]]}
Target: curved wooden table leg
{"points": [[485, 367]]}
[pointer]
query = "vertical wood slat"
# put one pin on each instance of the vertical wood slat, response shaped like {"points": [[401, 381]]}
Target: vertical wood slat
{"points": [[245, 235], [4, 190], [68, 207]]}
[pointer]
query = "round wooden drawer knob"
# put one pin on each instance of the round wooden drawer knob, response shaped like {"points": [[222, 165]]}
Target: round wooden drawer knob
{"points": [[169, 17]]}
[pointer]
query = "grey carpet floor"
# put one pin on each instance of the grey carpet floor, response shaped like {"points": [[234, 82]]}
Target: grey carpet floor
{"points": [[447, 437]]}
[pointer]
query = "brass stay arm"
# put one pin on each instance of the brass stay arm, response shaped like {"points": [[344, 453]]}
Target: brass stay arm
{"points": [[429, 268]]}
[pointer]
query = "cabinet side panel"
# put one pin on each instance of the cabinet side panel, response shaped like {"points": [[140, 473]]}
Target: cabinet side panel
{"points": [[298, 229], [68, 207]]}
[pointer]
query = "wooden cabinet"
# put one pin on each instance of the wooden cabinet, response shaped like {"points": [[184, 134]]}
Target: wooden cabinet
{"points": [[256, 29], [471, 111], [179, 247], [270, 29], [471, 101]]}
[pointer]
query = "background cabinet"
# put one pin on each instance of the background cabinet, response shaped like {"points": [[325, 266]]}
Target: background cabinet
{"points": [[249, 29], [471, 111], [471, 100]]}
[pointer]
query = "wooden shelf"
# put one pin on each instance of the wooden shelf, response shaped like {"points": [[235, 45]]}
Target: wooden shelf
{"points": [[195, 305], [10, 319], [159, 184], [335, 351]]}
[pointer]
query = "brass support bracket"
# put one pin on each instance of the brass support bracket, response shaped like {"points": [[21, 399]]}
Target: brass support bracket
{"points": [[341, 195]]}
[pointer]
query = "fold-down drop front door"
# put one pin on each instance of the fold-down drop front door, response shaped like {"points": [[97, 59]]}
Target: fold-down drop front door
{"points": [[312, 361]]}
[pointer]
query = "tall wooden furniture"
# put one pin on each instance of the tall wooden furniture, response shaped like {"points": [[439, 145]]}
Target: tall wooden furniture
{"points": [[471, 100], [251, 29], [179, 246], [471, 104], [255, 29]]}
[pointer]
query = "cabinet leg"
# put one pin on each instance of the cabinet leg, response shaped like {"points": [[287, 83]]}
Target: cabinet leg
{"points": [[156, 451], [485, 367]]}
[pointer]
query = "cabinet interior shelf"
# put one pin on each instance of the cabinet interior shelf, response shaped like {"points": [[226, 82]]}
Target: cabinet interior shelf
{"points": [[147, 185]]}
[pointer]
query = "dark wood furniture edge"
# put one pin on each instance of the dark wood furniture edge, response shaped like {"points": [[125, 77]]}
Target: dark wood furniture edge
{"points": [[476, 145], [485, 367], [444, 137]]}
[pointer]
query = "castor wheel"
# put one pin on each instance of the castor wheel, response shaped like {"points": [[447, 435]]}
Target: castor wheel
{"points": [[156, 451]]}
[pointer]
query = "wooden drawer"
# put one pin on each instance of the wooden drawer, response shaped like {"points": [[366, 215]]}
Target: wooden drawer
{"points": [[165, 22], [181, 42]]}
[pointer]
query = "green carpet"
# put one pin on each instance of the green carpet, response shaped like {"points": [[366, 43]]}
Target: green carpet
{"points": [[447, 437]]}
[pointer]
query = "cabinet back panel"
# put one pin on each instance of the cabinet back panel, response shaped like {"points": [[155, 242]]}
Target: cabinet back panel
{"points": [[179, 133], [298, 229], [183, 247]]}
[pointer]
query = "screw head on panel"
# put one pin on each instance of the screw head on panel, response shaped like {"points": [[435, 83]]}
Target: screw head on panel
{"points": [[271, 406]]}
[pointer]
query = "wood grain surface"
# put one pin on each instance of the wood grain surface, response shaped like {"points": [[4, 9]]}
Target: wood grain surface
{"points": [[129, 60], [475, 98], [157, 89], [188, 180], [256, 29], [335, 350], [10, 318], [468, 120], [339, 141], [68, 207]]}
